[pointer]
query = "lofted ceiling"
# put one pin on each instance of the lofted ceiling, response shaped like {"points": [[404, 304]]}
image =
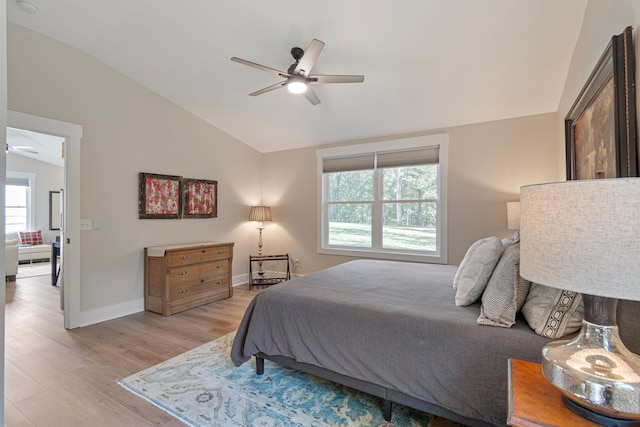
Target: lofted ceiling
{"points": [[428, 64]]}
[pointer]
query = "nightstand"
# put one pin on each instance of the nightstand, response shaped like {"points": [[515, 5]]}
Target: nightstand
{"points": [[535, 402]]}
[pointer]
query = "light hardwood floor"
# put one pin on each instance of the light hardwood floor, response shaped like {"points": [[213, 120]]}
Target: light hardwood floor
{"points": [[58, 377]]}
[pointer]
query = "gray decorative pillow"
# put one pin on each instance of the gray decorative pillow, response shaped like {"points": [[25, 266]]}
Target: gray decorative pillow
{"points": [[476, 268], [506, 291], [553, 313], [463, 264]]}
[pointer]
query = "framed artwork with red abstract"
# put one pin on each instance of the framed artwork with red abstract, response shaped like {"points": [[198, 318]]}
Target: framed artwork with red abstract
{"points": [[200, 198], [159, 196]]}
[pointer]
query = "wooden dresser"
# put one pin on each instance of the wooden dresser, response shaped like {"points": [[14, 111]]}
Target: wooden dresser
{"points": [[180, 277]]}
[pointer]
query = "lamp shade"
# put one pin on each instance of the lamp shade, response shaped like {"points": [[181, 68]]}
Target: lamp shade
{"points": [[513, 215], [583, 236], [260, 213]]}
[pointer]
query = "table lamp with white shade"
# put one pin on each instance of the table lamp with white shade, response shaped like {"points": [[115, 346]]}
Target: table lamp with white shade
{"points": [[584, 236]]}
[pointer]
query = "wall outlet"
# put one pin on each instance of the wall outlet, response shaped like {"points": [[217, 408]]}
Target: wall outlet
{"points": [[296, 263]]}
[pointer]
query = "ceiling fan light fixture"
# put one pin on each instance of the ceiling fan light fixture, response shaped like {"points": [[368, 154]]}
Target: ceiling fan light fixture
{"points": [[297, 86]]}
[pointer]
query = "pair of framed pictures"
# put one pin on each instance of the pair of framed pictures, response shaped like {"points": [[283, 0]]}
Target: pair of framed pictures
{"points": [[175, 197]]}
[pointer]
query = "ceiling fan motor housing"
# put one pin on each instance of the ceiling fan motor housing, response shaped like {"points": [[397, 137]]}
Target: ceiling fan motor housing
{"points": [[297, 53]]}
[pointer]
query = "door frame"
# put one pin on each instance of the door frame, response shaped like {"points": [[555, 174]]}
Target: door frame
{"points": [[70, 201]]}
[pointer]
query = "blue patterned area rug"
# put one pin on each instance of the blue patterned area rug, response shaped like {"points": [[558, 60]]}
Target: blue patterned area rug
{"points": [[202, 387]]}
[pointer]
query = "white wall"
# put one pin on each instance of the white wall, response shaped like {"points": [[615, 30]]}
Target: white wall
{"points": [[48, 178], [488, 162], [3, 139], [127, 129], [603, 19]]}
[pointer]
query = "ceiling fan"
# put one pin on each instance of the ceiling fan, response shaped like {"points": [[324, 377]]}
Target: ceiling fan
{"points": [[23, 148], [298, 77]]}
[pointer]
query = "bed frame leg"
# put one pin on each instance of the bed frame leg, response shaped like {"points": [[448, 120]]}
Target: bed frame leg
{"points": [[387, 409], [259, 365]]}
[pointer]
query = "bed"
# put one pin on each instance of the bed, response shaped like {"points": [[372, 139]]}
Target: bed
{"points": [[390, 329]]}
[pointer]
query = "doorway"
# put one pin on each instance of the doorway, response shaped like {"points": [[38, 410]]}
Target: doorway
{"points": [[69, 202]]}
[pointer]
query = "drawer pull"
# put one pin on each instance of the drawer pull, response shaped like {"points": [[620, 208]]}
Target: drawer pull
{"points": [[219, 282], [220, 252], [219, 266], [182, 291], [183, 273], [184, 257]]}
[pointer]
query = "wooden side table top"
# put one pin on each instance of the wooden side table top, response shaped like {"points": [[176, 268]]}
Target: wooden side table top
{"points": [[535, 402]]}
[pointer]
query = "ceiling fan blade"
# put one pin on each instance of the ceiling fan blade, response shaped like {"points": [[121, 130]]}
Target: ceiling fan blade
{"points": [[260, 67], [311, 96], [22, 148], [325, 78], [269, 88], [309, 58]]}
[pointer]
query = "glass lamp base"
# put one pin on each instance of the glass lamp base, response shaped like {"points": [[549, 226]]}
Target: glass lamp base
{"points": [[596, 371]]}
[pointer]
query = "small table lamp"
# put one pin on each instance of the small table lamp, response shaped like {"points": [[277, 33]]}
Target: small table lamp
{"points": [[260, 214], [513, 219], [584, 236]]}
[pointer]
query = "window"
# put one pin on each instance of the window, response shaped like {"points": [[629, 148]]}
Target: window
{"points": [[18, 201], [384, 200]]}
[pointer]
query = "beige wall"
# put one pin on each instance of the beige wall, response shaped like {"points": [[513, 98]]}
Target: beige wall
{"points": [[48, 178], [602, 20], [128, 129], [488, 163]]}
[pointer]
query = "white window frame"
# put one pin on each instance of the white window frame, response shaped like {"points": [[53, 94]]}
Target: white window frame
{"points": [[31, 201], [439, 256]]}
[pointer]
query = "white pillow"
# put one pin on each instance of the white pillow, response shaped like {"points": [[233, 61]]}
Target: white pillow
{"points": [[475, 270]]}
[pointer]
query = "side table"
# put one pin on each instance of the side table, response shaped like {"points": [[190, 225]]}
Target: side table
{"points": [[265, 278], [535, 402]]}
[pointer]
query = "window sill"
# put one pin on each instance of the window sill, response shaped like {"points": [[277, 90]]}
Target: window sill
{"points": [[391, 255]]}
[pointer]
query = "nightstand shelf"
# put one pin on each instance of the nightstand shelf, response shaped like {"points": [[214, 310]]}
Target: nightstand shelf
{"points": [[265, 275]]}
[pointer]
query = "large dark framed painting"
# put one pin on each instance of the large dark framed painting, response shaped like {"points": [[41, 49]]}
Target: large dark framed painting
{"points": [[160, 196], [600, 128], [200, 199]]}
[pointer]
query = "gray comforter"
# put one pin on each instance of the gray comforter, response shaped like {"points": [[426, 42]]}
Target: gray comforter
{"points": [[393, 324]]}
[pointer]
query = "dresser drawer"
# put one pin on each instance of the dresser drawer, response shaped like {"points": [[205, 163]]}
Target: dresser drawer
{"points": [[184, 257], [220, 282], [184, 274], [216, 252], [215, 268], [185, 290]]}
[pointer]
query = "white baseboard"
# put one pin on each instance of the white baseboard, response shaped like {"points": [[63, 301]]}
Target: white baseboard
{"points": [[102, 314]]}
